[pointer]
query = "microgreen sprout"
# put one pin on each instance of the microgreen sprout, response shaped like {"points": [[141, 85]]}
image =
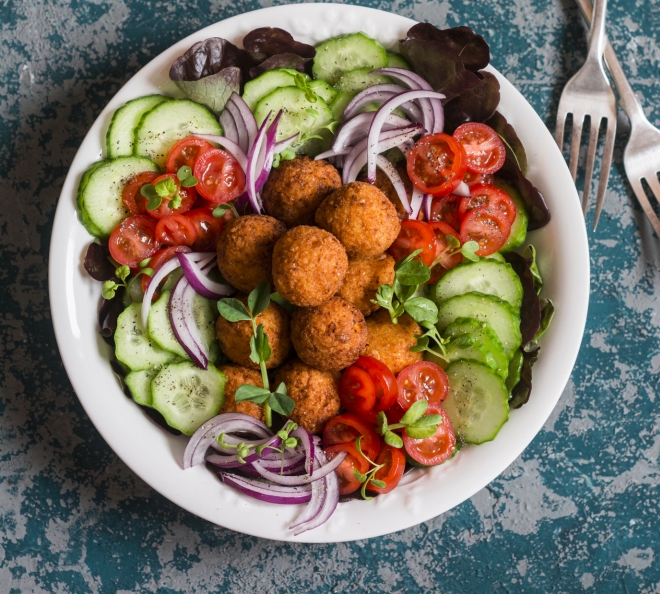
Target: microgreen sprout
{"points": [[219, 211], [287, 154], [165, 189], [243, 450], [110, 287], [301, 83], [370, 476], [186, 177], [468, 249], [417, 424]]}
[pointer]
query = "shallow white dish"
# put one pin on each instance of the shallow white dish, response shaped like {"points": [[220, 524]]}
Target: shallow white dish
{"points": [[155, 455]]}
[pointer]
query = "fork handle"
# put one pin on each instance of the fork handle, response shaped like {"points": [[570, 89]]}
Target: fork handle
{"points": [[629, 101], [597, 33]]}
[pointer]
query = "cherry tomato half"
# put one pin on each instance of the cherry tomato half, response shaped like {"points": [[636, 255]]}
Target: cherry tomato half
{"points": [[221, 178], [135, 202], [209, 229], [485, 150], [436, 164], [414, 235], [472, 179], [386, 386], [422, 381], [133, 240], [158, 259], [347, 481], [188, 198], [176, 230], [394, 461], [186, 152], [491, 198], [489, 229], [444, 258], [347, 428], [357, 391], [436, 449], [446, 210]]}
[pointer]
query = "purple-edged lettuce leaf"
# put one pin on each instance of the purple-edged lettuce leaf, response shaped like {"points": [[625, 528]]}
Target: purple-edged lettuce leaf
{"points": [[530, 309], [97, 262], [108, 313], [477, 104], [271, 41], [213, 90], [292, 61], [470, 47], [522, 390], [514, 148]]}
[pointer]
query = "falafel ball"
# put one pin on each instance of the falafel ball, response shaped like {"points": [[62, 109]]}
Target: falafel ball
{"points": [[245, 250], [296, 188], [330, 336], [234, 337], [309, 265], [390, 343], [315, 393], [361, 217], [236, 377], [363, 278], [384, 184]]}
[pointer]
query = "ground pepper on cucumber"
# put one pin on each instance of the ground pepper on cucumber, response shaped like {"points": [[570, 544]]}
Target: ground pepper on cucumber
{"points": [[313, 264]]}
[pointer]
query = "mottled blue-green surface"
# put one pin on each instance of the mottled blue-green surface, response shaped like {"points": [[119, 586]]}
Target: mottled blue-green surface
{"points": [[578, 511]]}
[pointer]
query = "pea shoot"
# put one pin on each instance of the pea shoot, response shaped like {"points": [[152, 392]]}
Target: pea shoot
{"points": [[109, 287], [415, 422], [243, 450], [369, 478], [219, 211], [166, 189]]}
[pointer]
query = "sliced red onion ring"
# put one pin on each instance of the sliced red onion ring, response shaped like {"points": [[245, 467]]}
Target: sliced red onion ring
{"points": [[462, 190], [286, 143], [378, 121], [265, 164], [242, 112], [177, 310], [293, 481], [266, 492], [229, 145], [241, 129], [202, 283], [229, 125], [426, 205], [156, 279], [393, 175], [305, 438], [252, 174], [232, 461], [416, 202], [375, 94]]}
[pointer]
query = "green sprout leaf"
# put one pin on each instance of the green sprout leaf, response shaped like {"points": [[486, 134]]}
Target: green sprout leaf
{"points": [[421, 309], [452, 242], [413, 273], [175, 202], [416, 411], [219, 211], [189, 182], [259, 299], [154, 200], [252, 393], [109, 289], [165, 187], [381, 421], [282, 302], [259, 348], [421, 432], [393, 440], [144, 263], [427, 420], [281, 403], [469, 250], [288, 154], [184, 172], [378, 483], [276, 161], [122, 272], [233, 310], [359, 477]]}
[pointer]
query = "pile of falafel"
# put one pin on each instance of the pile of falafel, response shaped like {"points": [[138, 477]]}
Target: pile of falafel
{"points": [[323, 247]]}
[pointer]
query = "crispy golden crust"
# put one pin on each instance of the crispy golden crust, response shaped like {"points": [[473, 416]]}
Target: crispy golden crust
{"points": [[245, 250], [363, 278], [361, 217], [390, 343], [314, 392], [384, 184], [296, 188], [234, 337], [236, 377], [330, 336], [309, 265]]}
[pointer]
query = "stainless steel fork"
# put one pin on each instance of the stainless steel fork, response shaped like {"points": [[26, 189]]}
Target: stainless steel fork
{"points": [[589, 94], [641, 158]]}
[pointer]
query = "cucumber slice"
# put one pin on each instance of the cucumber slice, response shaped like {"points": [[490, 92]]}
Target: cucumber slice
{"points": [[339, 105], [187, 396], [346, 53], [395, 60], [486, 276], [478, 401], [84, 217], [515, 369], [323, 90], [266, 83], [119, 139], [167, 123], [496, 313], [496, 256], [139, 384], [133, 347], [519, 227], [360, 79], [101, 197]]}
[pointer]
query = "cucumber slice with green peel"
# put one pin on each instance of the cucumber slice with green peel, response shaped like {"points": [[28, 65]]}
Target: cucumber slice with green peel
{"points": [[339, 105], [266, 83], [187, 396], [360, 79], [345, 53], [133, 346], [519, 227], [101, 197], [477, 403], [163, 126], [487, 276], [119, 140], [300, 116], [496, 256], [498, 314], [395, 60], [323, 90], [515, 369], [139, 384], [82, 213]]}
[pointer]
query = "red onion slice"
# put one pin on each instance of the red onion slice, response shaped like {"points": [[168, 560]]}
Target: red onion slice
{"points": [[266, 164], [462, 190], [230, 146], [426, 205], [229, 125], [202, 283], [241, 129], [357, 128], [305, 438], [300, 480], [393, 175], [377, 93], [232, 461], [416, 202], [242, 113], [251, 174], [177, 311], [263, 491], [156, 279], [286, 143]]}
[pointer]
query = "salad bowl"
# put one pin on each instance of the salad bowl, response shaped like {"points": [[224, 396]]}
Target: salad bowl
{"points": [[155, 455]]}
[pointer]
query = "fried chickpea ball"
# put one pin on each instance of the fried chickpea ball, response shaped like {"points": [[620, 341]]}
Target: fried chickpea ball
{"points": [[361, 217], [296, 188], [234, 337], [330, 336], [309, 265], [390, 343], [384, 184], [236, 377], [245, 250], [363, 278], [314, 392]]}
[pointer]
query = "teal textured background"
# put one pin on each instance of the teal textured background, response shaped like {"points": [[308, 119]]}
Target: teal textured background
{"points": [[578, 511]]}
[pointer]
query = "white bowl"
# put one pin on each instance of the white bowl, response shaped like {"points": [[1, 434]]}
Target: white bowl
{"points": [[155, 456]]}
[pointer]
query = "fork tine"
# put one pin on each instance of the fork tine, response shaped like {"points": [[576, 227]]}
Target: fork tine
{"points": [[576, 135], [605, 167], [559, 128], [643, 200], [591, 159]]}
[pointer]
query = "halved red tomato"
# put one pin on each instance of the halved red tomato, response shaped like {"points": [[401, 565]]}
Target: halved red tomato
{"points": [[158, 259], [436, 449], [490, 198], [414, 235], [436, 164], [384, 381], [176, 230], [444, 258], [347, 428], [394, 461], [347, 481], [209, 229], [489, 229], [446, 210], [357, 391], [422, 381], [186, 152], [188, 198], [485, 150], [135, 202], [133, 240], [221, 178], [472, 179]]}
